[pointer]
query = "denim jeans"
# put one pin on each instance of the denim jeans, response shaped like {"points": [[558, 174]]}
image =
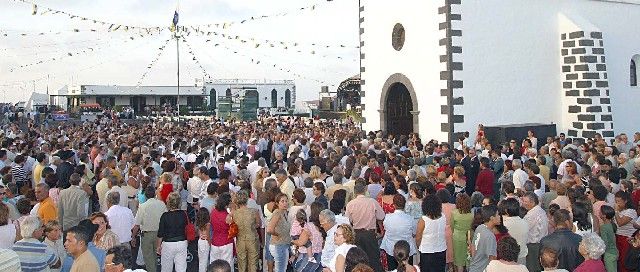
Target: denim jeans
{"points": [[302, 260], [280, 255], [267, 253]]}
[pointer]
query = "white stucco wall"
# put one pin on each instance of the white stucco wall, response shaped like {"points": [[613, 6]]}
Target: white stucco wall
{"points": [[511, 63], [513, 47], [418, 60], [264, 91], [122, 100], [511, 57]]}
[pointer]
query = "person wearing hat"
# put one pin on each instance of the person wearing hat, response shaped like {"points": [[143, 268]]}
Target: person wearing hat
{"points": [[98, 254]]}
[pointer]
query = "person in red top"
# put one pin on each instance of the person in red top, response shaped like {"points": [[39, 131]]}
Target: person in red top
{"points": [[166, 187], [221, 243], [485, 179]]}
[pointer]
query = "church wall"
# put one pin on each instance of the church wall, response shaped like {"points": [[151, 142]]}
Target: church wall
{"points": [[511, 64], [513, 50], [621, 35], [418, 60]]}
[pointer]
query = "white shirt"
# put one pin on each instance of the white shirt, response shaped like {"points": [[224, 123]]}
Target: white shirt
{"points": [[196, 189], [329, 248], [562, 170], [519, 178], [433, 235], [121, 220], [123, 196], [519, 230], [340, 250], [341, 219]]}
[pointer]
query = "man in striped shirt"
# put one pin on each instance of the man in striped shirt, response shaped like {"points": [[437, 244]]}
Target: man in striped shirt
{"points": [[18, 173], [34, 255]]}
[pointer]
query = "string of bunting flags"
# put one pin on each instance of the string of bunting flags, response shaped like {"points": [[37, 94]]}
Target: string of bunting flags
{"points": [[18, 33], [155, 60], [112, 27], [38, 9], [225, 25], [195, 59], [274, 65], [53, 44], [82, 51], [53, 75], [44, 52], [292, 46]]}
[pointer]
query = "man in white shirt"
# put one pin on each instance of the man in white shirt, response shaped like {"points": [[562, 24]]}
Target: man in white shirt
{"points": [[115, 187], [328, 223], [518, 227], [519, 175], [120, 218], [194, 186]]}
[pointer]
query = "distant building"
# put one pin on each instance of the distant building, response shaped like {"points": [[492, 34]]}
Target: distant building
{"points": [[271, 94]]}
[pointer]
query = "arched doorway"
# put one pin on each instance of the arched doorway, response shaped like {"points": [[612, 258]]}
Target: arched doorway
{"points": [[274, 98], [399, 106], [249, 105], [287, 99], [398, 109]]}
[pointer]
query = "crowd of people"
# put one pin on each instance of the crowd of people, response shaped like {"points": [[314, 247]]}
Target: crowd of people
{"points": [[296, 194]]}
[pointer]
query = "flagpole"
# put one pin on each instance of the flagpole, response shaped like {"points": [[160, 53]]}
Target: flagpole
{"points": [[178, 56]]}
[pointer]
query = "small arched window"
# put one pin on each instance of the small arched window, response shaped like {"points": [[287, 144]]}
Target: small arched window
{"points": [[228, 93], [633, 73], [287, 98]]}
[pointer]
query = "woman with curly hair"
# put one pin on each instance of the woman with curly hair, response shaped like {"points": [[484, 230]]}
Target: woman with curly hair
{"points": [[508, 250], [591, 248], [345, 239], [431, 237], [104, 238], [461, 223]]}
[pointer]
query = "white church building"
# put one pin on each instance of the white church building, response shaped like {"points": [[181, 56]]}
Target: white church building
{"points": [[440, 67]]}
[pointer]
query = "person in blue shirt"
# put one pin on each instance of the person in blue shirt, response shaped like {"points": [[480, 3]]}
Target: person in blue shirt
{"points": [[99, 254]]}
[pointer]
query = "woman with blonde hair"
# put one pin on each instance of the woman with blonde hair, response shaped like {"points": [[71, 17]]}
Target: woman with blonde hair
{"points": [[165, 187], [344, 239], [258, 183], [458, 179], [52, 237], [104, 239], [316, 174]]}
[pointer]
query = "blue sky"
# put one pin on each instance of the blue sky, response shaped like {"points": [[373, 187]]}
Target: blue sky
{"points": [[113, 58]]}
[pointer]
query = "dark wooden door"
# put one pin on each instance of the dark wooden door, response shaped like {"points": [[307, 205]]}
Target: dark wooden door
{"points": [[398, 109]]}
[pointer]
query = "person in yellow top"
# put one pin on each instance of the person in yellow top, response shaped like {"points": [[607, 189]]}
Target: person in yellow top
{"points": [[111, 165], [37, 170], [47, 210]]}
